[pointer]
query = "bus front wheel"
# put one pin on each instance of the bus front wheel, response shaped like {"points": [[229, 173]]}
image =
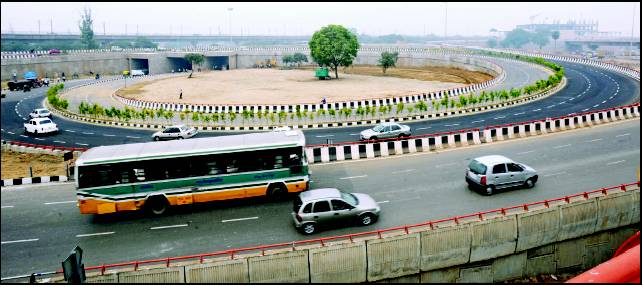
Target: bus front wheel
{"points": [[277, 191], [157, 205]]}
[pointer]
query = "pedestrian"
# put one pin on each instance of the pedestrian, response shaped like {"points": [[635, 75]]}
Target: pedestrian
{"points": [[323, 101], [15, 77], [64, 78], [181, 94]]}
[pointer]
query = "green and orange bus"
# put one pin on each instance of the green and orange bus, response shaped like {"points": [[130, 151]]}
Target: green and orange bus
{"points": [[157, 175]]}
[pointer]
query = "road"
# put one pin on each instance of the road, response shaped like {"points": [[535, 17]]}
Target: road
{"points": [[587, 89], [41, 223]]}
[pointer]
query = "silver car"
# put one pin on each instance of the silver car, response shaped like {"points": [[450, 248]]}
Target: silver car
{"points": [[40, 113], [175, 132], [385, 130], [496, 172], [327, 206]]}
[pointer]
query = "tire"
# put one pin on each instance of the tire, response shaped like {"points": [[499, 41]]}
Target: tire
{"points": [[157, 205], [308, 228], [366, 219], [490, 190], [26, 131], [180, 138], [277, 191], [156, 138], [373, 138], [529, 183]]}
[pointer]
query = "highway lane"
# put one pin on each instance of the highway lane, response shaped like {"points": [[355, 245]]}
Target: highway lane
{"points": [[41, 223], [588, 88]]}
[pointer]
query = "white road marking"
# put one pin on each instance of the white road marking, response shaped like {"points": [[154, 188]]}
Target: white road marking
{"points": [[595, 105], [11, 133], [18, 241], [70, 131], [40, 139], [451, 125], [350, 177], [536, 110], [60, 202], [7, 206], [24, 136], [526, 152], [549, 107], [239, 219], [594, 140], [447, 164], [562, 146], [516, 114], [324, 136], [603, 102], [403, 171], [95, 234], [424, 128], [558, 173], [615, 162], [86, 133], [385, 201], [497, 118], [353, 134], [168, 226], [586, 110], [109, 135], [81, 144], [59, 141], [132, 137], [477, 121], [618, 136]]}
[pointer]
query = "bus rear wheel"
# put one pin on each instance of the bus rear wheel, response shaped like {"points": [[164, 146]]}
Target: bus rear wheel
{"points": [[277, 191], [157, 205]]}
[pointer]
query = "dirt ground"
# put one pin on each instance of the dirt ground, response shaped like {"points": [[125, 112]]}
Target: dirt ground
{"points": [[273, 86], [16, 165]]}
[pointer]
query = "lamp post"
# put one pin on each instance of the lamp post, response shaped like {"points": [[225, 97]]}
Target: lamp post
{"points": [[230, 24]]}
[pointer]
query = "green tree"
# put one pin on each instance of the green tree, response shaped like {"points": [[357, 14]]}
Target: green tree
{"points": [[299, 58], [540, 38], [387, 60], [193, 58], [555, 35], [168, 115], [333, 46], [86, 30], [492, 43], [142, 42], [287, 59], [516, 38]]}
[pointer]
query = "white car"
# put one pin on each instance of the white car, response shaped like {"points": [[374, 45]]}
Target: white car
{"points": [[137, 73], [175, 132], [40, 126], [385, 130], [40, 113], [281, 129]]}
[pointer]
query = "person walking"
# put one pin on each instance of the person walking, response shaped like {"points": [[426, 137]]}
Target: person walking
{"points": [[323, 101], [181, 94], [15, 77]]}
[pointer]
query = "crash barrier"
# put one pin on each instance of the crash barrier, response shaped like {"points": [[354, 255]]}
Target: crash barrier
{"points": [[321, 153], [485, 247], [32, 180]]}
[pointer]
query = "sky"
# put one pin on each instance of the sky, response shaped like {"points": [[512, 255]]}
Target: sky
{"points": [[287, 18]]}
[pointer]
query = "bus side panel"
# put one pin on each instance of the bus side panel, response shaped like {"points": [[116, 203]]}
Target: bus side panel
{"points": [[297, 186], [257, 191], [219, 195]]}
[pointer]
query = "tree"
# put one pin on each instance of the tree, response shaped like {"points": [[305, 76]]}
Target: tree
{"points": [[387, 60], [333, 46], [299, 58], [555, 35], [492, 43], [516, 38], [194, 59], [142, 42], [287, 59], [540, 38], [86, 30]]}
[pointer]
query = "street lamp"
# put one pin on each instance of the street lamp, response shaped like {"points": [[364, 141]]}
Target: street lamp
{"points": [[230, 24]]}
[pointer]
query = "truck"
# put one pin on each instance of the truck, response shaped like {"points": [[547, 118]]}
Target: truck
{"points": [[322, 73]]}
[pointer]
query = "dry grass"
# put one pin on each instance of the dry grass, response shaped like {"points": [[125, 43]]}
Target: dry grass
{"points": [[427, 73], [16, 165]]}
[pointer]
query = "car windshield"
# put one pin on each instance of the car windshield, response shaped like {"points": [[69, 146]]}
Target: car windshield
{"points": [[168, 130], [183, 128], [45, 122], [44, 111], [349, 198], [378, 128], [477, 167]]}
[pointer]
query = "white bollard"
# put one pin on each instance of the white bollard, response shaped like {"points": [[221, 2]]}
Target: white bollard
{"points": [[552, 126], [398, 147], [581, 123], [561, 124], [487, 135], [339, 151], [521, 131], [325, 157], [309, 155], [499, 135], [369, 151], [412, 148], [354, 152], [596, 119], [438, 142], [510, 132], [425, 144], [383, 149], [463, 139], [451, 140], [476, 137], [620, 114]]}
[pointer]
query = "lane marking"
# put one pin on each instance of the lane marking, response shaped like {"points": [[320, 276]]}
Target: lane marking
{"points": [[95, 234], [324, 136], [596, 105], [424, 128], [168, 226], [499, 118], [594, 140], [517, 114], [109, 135], [39, 139], [558, 173], [536, 110], [584, 110], [477, 121], [403, 171], [18, 241], [86, 133], [447, 164], [353, 134], [81, 144], [562, 146], [60, 202], [24, 136], [350, 177], [451, 125], [70, 131], [622, 135], [603, 102], [132, 137], [11, 133], [59, 141], [615, 162], [549, 107], [239, 219], [526, 152], [385, 201], [7, 206]]}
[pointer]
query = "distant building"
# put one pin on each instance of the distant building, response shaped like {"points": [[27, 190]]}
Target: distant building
{"points": [[572, 30]]}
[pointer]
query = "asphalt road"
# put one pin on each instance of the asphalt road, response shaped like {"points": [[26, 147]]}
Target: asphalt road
{"points": [[41, 223], [588, 88]]}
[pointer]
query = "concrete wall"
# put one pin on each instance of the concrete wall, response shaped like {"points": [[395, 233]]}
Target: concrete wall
{"points": [[561, 238], [69, 64]]}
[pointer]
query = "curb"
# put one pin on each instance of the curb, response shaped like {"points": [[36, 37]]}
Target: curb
{"points": [[34, 180]]}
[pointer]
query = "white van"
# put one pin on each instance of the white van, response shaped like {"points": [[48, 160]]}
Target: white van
{"points": [[137, 73]]}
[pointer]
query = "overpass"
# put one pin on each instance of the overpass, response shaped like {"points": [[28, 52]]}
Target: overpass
{"points": [[606, 42]]}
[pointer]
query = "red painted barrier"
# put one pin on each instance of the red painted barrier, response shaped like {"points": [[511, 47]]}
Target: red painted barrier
{"points": [[47, 146], [351, 237]]}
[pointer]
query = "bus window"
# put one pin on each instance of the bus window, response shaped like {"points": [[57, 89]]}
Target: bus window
{"points": [[232, 166]]}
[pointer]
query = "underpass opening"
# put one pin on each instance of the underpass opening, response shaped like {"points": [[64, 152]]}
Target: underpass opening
{"points": [[140, 64], [217, 63], [177, 64]]}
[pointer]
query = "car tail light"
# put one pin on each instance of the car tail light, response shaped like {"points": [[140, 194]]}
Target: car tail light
{"points": [[483, 180], [299, 218]]}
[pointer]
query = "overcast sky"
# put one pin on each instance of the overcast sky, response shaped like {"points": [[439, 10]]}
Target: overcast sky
{"points": [[305, 18]]}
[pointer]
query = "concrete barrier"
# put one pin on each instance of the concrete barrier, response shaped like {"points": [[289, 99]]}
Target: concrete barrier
{"points": [[493, 238], [444, 247], [344, 263], [288, 267], [161, 275], [577, 219], [229, 271], [636, 203], [383, 148], [509, 267], [476, 274], [102, 279], [614, 210], [393, 257], [537, 228]]}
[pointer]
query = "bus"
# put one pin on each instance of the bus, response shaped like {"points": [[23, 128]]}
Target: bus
{"points": [[156, 175]]}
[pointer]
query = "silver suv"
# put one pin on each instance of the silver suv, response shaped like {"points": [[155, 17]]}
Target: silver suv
{"points": [[385, 130], [327, 206], [495, 172]]}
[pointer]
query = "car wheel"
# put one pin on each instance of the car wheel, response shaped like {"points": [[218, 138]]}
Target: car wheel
{"points": [[26, 131], [490, 189], [156, 139], [366, 219], [308, 228], [157, 205], [529, 183], [373, 138], [180, 138]]}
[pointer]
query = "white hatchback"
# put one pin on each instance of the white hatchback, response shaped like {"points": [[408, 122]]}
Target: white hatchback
{"points": [[40, 126], [40, 113]]}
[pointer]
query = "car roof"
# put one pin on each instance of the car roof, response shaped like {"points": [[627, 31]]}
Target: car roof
{"points": [[40, 109], [491, 160], [41, 119], [321, 193], [175, 126]]}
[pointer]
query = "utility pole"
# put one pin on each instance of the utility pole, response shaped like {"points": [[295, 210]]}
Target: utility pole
{"points": [[136, 29], [38, 27], [51, 26], [104, 33], [170, 30], [126, 29], [230, 23], [632, 35]]}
